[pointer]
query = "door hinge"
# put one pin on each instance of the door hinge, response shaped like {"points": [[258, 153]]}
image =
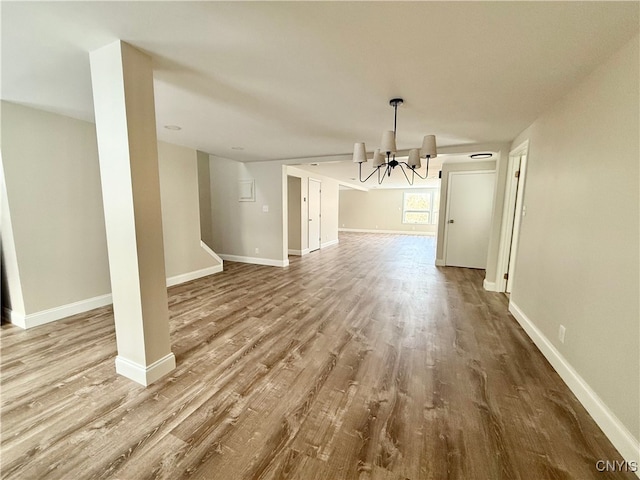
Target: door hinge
{"points": [[517, 174], [506, 276]]}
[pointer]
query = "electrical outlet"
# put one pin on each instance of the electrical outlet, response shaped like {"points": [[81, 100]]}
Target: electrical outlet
{"points": [[561, 333], [257, 250]]}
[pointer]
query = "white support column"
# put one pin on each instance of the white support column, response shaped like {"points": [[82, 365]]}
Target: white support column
{"points": [[123, 100]]}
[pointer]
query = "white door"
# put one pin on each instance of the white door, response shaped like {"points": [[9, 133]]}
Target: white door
{"points": [[469, 209], [314, 214]]}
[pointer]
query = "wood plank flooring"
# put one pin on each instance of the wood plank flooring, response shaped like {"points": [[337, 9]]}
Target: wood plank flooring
{"points": [[360, 361]]}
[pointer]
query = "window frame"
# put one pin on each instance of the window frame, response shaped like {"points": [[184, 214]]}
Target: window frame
{"points": [[432, 212]]}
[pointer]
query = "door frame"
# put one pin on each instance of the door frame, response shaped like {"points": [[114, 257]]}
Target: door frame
{"points": [[513, 202], [319, 182], [448, 202]]}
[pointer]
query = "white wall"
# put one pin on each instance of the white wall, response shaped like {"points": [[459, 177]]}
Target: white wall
{"points": [[204, 196], [51, 171], [329, 212], [180, 211], [244, 231], [379, 209], [55, 198], [578, 261]]}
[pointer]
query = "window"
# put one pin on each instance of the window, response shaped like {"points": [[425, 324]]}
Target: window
{"points": [[421, 208]]}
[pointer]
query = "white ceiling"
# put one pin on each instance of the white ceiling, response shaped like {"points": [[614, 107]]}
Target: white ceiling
{"points": [[286, 80]]}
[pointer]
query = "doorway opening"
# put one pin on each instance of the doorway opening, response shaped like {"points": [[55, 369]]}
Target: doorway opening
{"points": [[513, 212]]}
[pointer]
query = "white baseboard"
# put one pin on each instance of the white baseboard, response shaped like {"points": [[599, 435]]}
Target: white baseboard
{"points": [[43, 317], [329, 243], [440, 262], [622, 439], [489, 286], [299, 253], [396, 232], [145, 375], [255, 260], [16, 318], [206, 248], [52, 314], [186, 277]]}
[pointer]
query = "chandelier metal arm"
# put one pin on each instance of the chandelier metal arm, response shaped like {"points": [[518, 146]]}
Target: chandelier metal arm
{"points": [[387, 173], [418, 174], [410, 182], [370, 175]]}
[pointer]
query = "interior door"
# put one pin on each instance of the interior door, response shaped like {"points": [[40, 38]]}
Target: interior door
{"points": [[314, 214], [469, 210]]}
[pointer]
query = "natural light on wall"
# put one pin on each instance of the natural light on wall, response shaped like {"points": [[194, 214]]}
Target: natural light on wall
{"points": [[421, 208]]}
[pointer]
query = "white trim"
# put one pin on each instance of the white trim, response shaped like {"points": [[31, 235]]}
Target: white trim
{"points": [[622, 439], [309, 219], [298, 252], [440, 262], [16, 318], [489, 286], [329, 243], [396, 232], [522, 149], [52, 314], [206, 248], [186, 277], [43, 317], [517, 222], [506, 228], [255, 260], [145, 375], [509, 208]]}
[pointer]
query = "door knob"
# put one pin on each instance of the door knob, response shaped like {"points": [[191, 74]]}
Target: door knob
{"points": [[450, 221]]}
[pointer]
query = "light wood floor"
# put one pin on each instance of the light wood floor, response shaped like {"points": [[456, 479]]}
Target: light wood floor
{"points": [[360, 361]]}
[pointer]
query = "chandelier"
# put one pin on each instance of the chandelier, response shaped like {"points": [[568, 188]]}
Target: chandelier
{"points": [[384, 158]]}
